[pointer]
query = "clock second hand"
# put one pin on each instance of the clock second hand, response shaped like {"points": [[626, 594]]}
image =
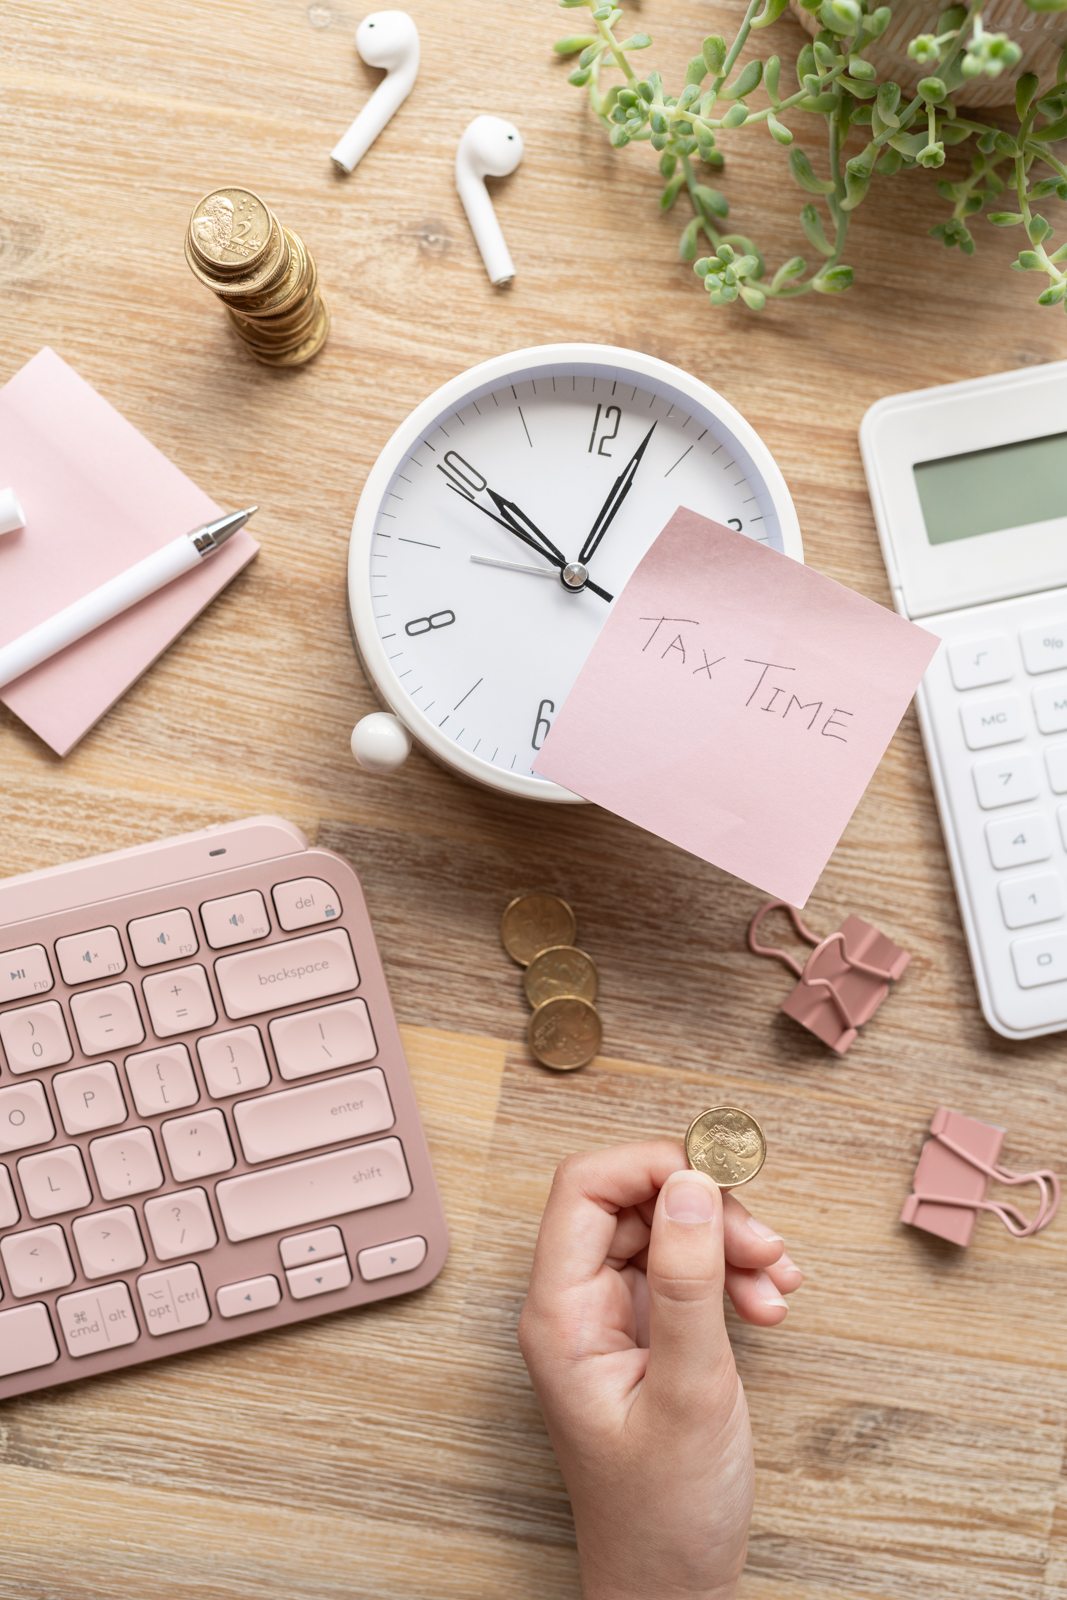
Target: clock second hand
{"points": [[543, 545]]}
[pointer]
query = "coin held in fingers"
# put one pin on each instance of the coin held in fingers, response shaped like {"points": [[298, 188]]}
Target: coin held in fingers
{"points": [[727, 1144], [564, 1033], [561, 969], [534, 922]]}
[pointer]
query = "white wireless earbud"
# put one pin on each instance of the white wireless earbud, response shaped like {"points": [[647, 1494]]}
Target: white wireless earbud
{"points": [[490, 147], [386, 39]]}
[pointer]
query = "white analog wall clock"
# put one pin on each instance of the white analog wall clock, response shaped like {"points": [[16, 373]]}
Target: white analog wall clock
{"points": [[499, 524]]}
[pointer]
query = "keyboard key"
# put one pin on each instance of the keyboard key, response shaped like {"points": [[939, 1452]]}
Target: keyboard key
{"points": [[976, 662], [280, 1198], [233, 1062], [97, 1319], [1050, 707], [329, 1036], [180, 1224], [1016, 841], [385, 1260], [255, 1294], [37, 1260], [302, 902], [198, 1146], [288, 974], [1041, 959], [24, 1117], [989, 722], [26, 1340], [1027, 900], [107, 1019], [162, 1080], [1055, 766], [109, 1241], [89, 1098], [24, 972], [126, 1163], [97, 954], [164, 937], [284, 1124], [1045, 646], [35, 1037], [235, 919], [321, 1277], [173, 1299], [54, 1182], [179, 1001], [1006, 780], [318, 1246], [9, 1206]]}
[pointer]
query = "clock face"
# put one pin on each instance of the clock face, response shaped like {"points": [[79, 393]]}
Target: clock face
{"points": [[458, 598]]}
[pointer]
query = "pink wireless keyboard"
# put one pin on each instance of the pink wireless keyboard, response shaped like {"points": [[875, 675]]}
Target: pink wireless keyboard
{"points": [[207, 1127]]}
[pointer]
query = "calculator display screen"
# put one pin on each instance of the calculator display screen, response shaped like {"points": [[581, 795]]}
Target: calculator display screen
{"points": [[986, 491]]}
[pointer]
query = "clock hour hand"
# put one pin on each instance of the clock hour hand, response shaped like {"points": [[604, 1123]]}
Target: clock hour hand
{"points": [[540, 543], [619, 490]]}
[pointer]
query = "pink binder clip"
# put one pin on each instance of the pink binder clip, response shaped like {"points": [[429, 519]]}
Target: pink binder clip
{"points": [[843, 981], [949, 1185]]}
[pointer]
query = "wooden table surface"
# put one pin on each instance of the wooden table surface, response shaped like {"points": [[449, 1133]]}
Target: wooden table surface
{"points": [[909, 1416]]}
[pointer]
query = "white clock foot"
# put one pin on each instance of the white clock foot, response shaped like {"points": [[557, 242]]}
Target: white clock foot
{"points": [[380, 742]]}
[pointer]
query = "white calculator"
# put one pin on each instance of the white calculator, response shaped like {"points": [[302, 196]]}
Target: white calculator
{"points": [[969, 486]]}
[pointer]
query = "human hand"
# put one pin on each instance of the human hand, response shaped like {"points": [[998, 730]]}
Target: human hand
{"points": [[624, 1336]]}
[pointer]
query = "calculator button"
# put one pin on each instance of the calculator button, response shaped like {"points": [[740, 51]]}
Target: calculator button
{"points": [[1050, 707], [109, 1241], [35, 1036], [235, 920], [1056, 767], [37, 1260], [26, 1340], [1027, 900], [1006, 780], [287, 974], [164, 937], [384, 1260], [284, 1124], [989, 722], [126, 1163], [1042, 959], [173, 1299], [89, 1098], [302, 902], [24, 1117], [1044, 646], [330, 1036], [323, 1277], [97, 1319], [1016, 841], [308, 1191], [198, 1146], [317, 1246], [107, 1019], [255, 1294], [179, 1001], [233, 1062], [975, 662], [9, 1209], [54, 1182], [180, 1224], [162, 1080], [24, 972], [97, 954]]}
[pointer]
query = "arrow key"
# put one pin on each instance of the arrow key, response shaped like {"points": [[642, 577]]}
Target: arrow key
{"points": [[254, 1294], [319, 1277], [385, 1260]]}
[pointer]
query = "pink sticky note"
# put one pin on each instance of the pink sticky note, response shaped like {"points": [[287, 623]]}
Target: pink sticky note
{"points": [[98, 497], [737, 704]]}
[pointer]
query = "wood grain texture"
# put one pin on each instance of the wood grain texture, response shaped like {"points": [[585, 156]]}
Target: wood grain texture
{"points": [[909, 1416]]}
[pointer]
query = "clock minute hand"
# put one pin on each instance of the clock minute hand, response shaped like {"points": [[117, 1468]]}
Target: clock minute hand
{"points": [[619, 490]]}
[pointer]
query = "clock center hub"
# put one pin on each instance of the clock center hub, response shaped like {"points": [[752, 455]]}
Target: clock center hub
{"points": [[574, 576]]}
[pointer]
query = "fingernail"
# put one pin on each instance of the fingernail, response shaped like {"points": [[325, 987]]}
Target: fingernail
{"points": [[686, 1201], [768, 1293], [765, 1233], [789, 1264]]}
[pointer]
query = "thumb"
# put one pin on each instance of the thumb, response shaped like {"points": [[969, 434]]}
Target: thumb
{"points": [[690, 1362]]}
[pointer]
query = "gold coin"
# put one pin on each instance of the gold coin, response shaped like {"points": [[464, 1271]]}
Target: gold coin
{"points": [[230, 229], [297, 285], [727, 1144], [267, 274], [304, 350], [534, 922], [561, 969], [564, 1032]]}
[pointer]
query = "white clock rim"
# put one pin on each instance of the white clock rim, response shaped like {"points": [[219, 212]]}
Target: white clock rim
{"points": [[377, 668]]}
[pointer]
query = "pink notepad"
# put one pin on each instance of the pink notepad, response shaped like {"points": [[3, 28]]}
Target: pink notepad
{"points": [[98, 498]]}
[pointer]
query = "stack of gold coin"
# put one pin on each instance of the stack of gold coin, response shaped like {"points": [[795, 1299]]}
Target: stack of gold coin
{"points": [[262, 273], [538, 931]]}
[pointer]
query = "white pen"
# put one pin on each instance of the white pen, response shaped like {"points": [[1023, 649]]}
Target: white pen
{"points": [[118, 594]]}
